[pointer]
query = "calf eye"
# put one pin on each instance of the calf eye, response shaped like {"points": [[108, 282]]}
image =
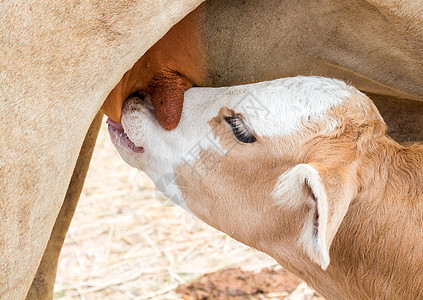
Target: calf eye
{"points": [[239, 128]]}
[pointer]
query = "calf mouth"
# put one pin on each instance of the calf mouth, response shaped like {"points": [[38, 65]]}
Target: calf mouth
{"points": [[116, 130]]}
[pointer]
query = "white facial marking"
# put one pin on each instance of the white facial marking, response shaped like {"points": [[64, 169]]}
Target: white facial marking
{"points": [[278, 107], [273, 108]]}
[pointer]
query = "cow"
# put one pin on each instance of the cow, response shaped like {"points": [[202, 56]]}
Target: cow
{"points": [[58, 62], [299, 168]]}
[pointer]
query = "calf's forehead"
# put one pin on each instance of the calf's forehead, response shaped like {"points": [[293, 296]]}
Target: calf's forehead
{"points": [[271, 108]]}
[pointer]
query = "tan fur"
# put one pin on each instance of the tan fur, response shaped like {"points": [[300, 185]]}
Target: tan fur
{"points": [[42, 286], [403, 117], [377, 252], [375, 45], [176, 56], [58, 62]]}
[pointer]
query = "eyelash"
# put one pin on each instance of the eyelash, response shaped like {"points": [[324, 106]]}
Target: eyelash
{"points": [[240, 131]]}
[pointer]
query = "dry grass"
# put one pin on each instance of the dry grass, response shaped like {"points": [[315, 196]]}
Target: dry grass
{"points": [[124, 244]]}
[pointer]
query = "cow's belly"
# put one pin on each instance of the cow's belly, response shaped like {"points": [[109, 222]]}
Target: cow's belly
{"points": [[249, 41]]}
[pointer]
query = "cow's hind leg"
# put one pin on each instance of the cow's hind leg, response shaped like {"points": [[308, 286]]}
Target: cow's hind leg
{"points": [[42, 286], [403, 117]]}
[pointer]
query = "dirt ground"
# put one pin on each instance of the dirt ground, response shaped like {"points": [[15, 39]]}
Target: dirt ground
{"points": [[126, 242]]}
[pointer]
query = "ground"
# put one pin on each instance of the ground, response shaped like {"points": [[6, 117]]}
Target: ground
{"points": [[127, 242]]}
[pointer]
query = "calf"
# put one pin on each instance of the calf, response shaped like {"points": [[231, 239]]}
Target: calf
{"points": [[299, 168]]}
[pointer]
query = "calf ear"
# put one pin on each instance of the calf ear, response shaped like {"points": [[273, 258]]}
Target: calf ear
{"points": [[326, 192]]}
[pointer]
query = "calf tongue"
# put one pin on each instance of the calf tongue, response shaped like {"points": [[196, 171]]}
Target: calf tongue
{"points": [[119, 128]]}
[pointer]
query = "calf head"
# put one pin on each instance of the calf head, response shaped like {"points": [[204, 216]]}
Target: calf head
{"points": [[272, 164]]}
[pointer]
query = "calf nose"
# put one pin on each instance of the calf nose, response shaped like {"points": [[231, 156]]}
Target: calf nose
{"points": [[140, 97]]}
